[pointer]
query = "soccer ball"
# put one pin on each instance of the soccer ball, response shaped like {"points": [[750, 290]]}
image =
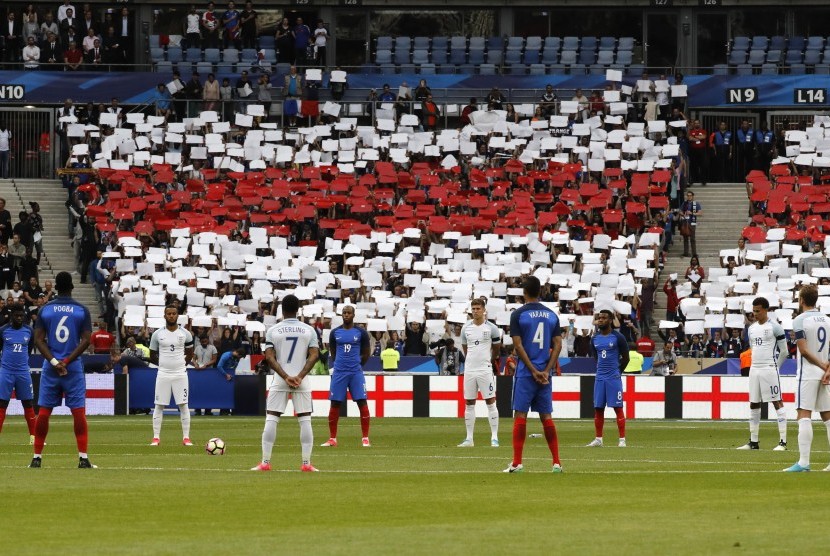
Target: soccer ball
{"points": [[215, 447]]}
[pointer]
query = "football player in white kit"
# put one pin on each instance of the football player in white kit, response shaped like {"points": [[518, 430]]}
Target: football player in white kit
{"points": [[812, 334], [171, 348], [769, 351], [291, 350], [480, 341]]}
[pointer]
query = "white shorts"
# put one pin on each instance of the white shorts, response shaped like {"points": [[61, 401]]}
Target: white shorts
{"points": [[764, 386], [278, 400], [479, 382], [812, 395], [177, 385]]}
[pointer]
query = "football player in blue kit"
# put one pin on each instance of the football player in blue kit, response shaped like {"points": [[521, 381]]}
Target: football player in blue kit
{"points": [[611, 352], [15, 375]]}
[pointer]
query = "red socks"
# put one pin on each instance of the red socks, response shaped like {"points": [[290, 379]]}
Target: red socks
{"points": [[519, 434], [553, 441], [364, 420], [599, 421], [29, 413], [41, 429], [81, 431], [2, 417], [620, 421], [334, 417]]}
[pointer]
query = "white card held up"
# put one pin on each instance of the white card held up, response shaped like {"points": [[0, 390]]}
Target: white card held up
{"points": [[613, 75], [679, 91]]}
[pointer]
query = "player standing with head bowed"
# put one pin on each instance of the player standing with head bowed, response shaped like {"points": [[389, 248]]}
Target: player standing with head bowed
{"points": [[480, 341], [611, 352], [769, 351], [171, 348], [537, 339], [15, 375], [812, 334], [62, 333], [349, 351], [291, 350]]}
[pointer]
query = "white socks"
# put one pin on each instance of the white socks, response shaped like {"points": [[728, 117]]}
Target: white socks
{"points": [[158, 415], [754, 424], [470, 420], [493, 417], [805, 441], [184, 413], [827, 424], [782, 423], [306, 437], [269, 436]]}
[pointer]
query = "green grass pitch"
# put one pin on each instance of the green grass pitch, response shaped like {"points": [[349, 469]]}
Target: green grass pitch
{"points": [[679, 488]]}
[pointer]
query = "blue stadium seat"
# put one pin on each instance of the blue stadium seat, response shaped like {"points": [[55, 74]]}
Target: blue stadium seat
{"points": [[780, 43], [167, 67], [155, 41], [284, 68], [740, 43], [204, 68], [478, 42], [156, 54], [577, 69], [270, 55], [458, 56], [756, 57], [570, 43], [531, 57], [513, 56], [550, 56], [495, 56], [420, 57], [439, 56], [568, 57], [607, 43], [537, 69], [383, 57], [408, 69], [737, 57], [212, 55], [174, 54], [495, 43], [232, 55], [793, 57], [476, 56], [825, 57], [596, 69], [557, 69], [822, 69], [247, 54], [226, 68], [635, 70], [759, 43], [552, 43], [402, 56], [487, 69], [605, 57], [267, 42], [515, 43], [533, 43], [368, 69], [625, 43], [466, 69], [446, 69], [193, 54], [812, 57], [458, 43], [588, 43], [769, 69], [384, 43], [744, 69], [624, 57], [587, 57], [440, 43], [798, 69], [517, 69], [815, 43], [387, 69], [773, 57], [420, 43], [795, 43], [403, 44], [720, 69]]}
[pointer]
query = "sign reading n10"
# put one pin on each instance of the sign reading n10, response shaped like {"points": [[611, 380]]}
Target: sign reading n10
{"points": [[741, 95], [12, 92], [810, 96]]}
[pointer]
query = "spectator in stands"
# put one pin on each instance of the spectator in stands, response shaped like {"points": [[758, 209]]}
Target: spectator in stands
{"points": [[263, 94], [248, 20], [233, 27], [94, 57], [161, 100], [193, 92], [467, 110], [124, 29], [210, 93], [397, 343], [672, 302], [72, 58], [5, 150], [414, 342], [36, 221], [745, 146], [548, 102], [32, 292], [292, 91], [764, 147], [698, 153], [301, 35], [65, 10], [390, 357], [646, 307], [664, 362], [48, 26], [89, 40], [695, 274], [691, 210], [205, 355], [511, 116], [734, 345], [179, 96], [321, 37], [226, 94], [28, 268], [449, 359], [715, 347], [24, 229], [67, 25], [51, 54], [816, 259], [102, 339], [697, 348], [5, 216], [30, 27], [431, 113], [192, 26], [495, 99], [284, 41], [210, 27], [31, 55], [721, 145], [645, 345], [584, 104], [12, 39]]}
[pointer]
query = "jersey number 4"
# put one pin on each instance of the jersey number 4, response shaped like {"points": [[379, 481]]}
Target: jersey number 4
{"points": [[539, 336]]}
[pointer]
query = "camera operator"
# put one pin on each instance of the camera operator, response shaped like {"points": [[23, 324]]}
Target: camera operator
{"points": [[447, 357]]}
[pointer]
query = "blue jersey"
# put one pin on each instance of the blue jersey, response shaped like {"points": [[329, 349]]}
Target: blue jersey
{"points": [[15, 345], [347, 345], [607, 349], [64, 320], [537, 326]]}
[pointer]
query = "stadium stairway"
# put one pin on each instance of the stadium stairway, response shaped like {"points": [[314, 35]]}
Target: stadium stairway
{"points": [[58, 253], [725, 210]]}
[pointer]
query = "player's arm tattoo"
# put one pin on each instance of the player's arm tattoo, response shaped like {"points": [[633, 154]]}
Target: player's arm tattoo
{"points": [[188, 355], [154, 357]]}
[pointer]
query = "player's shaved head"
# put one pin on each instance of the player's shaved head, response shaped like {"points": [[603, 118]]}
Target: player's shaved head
{"points": [[532, 287], [290, 305], [808, 295]]}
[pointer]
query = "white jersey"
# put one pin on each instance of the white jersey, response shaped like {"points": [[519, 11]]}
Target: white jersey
{"points": [[763, 339], [814, 327], [290, 340], [479, 340], [171, 345]]}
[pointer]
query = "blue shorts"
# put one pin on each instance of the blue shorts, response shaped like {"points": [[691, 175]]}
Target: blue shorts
{"points": [[529, 395], [21, 383], [354, 382], [608, 392], [53, 387]]}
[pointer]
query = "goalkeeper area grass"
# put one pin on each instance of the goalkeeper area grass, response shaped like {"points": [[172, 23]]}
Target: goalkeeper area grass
{"points": [[678, 488]]}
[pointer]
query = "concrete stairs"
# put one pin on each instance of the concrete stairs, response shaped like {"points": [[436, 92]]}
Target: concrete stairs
{"points": [[725, 213], [58, 253]]}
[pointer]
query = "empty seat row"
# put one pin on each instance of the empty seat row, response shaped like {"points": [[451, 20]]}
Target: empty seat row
{"points": [[263, 42], [758, 57], [498, 43], [771, 69], [510, 69], [778, 42], [212, 55]]}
